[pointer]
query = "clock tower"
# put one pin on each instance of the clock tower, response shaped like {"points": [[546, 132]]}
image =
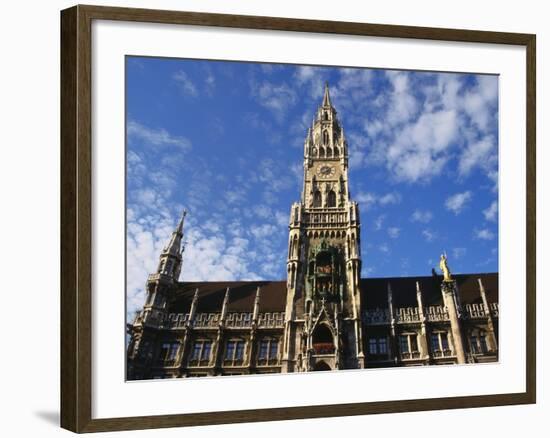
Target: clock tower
{"points": [[323, 328]]}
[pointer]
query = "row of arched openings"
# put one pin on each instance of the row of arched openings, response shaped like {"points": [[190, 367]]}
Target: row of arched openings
{"points": [[326, 152], [322, 233], [318, 199]]}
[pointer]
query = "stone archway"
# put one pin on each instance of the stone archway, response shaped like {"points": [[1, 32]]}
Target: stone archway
{"points": [[322, 366], [323, 340]]}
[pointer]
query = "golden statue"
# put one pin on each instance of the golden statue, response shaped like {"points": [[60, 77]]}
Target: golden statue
{"points": [[445, 269]]}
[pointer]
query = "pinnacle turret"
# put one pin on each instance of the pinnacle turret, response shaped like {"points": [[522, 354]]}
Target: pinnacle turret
{"points": [[326, 97]]}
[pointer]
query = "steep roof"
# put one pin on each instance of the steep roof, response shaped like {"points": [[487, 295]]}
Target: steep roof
{"points": [[241, 296], [373, 293]]}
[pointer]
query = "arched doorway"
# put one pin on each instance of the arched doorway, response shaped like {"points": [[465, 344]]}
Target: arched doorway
{"points": [[322, 366]]}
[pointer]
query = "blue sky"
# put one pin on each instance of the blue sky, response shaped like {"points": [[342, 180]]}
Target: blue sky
{"points": [[225, 141]]}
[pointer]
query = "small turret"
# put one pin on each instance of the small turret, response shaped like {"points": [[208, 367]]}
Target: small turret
{"points": [[171, 256]]}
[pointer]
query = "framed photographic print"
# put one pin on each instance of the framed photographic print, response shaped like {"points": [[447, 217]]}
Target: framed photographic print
{"points": [[305, 218]]}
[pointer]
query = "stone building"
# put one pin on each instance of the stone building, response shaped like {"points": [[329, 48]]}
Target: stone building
{"points": [[324, 316]]}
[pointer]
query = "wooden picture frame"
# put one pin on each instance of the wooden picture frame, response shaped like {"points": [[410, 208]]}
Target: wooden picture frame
{"points": [[76, 217]]}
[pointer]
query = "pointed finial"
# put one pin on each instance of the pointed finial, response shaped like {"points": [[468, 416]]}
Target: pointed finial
{"points": [[182, 220], [326, 97]]}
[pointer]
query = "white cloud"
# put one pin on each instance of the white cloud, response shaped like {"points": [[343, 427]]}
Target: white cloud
{"points": [[426, 123], [235, 195], [209, 82], [378, 222], [403, 105], [384, 248], [459, 253], [393, 232], [262, 211], [278, 98], [366, 200], [491, 212], [312, 76], [484, 234], [479, 154], [457, 202], [369, 199], [390, 198], [262, 231], [419, 150], [429, 235], [185, 84], [156, 137], [422, 216], [281, 219]]}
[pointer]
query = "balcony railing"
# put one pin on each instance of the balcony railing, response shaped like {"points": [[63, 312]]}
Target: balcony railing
{"points": [[377, 317], [237, 320], [407, 314], [323, 348], [206, 320], [210, 320], [442, 353], [473, 311], [410, 355], [436, 313], [271, 320]]}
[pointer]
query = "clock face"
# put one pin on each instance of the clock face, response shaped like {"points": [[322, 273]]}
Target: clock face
{"points": [[326, 171]]}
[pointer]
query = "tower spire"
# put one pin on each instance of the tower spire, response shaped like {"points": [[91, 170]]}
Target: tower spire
{"points": [[170, 257], [174, 246], [326, 97]]}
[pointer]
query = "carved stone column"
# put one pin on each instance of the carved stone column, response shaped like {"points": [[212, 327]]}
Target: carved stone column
{"points": [[449, 291]]}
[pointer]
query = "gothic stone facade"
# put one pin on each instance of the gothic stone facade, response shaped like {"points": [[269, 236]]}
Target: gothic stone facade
{"points": [[324, 316]]}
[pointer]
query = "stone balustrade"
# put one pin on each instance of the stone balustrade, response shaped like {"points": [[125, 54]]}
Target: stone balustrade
{"points": [[436, 313], [210, 320], [406, 315], [473, 311]]}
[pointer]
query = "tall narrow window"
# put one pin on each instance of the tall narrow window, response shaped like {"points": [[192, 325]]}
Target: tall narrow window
{"points": [[331, 199], [325, 138], [336, 151], [408, 346], [483, 342], [379, 347], [317, 199], [372, 346], [200, 353], [440, 344], [404, 344], [473, 345], [234, 352], [268, 351]]}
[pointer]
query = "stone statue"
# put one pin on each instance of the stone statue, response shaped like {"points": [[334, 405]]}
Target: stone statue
{"points": [[445, 269]]}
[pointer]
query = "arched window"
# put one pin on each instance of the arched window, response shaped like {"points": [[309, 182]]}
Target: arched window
{"points": [[325, 138], [329, 152], [314, 151], [331, 199], [322, 152], [317, 199], [323, 341], [336, 151]]}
